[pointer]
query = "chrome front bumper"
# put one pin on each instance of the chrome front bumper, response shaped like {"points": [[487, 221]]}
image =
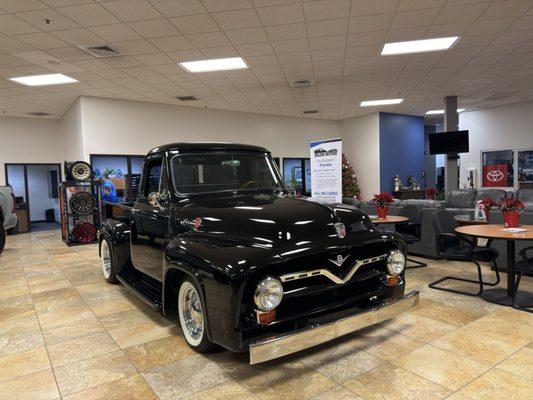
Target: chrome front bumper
{"points": [[279, 346]]}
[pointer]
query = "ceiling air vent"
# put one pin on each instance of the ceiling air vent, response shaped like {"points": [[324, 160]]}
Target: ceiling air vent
{"points": [[39, 114], [302, 83], [186, 98], [100, 51], [311, 112]]}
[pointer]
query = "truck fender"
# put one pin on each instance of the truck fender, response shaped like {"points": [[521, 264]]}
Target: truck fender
{"points": [[118, 235]]}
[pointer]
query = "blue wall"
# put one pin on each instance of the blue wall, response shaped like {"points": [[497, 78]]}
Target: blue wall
{"points": [[401, 148]]}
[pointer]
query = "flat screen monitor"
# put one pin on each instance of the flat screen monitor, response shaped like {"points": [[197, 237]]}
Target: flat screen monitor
{"points": [[448, 142]]}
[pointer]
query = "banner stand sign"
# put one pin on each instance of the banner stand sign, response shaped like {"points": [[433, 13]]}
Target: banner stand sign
{"points": [[326, 170]]}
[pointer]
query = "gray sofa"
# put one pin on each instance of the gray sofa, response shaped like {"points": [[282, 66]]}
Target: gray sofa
{"points": [[460, 202]]}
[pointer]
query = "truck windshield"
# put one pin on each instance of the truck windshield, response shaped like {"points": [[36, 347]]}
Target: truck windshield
{"points": [[214, 172]]}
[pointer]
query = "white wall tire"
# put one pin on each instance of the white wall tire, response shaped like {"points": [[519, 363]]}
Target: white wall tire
{"points": [[108, 270], [192, 317]]}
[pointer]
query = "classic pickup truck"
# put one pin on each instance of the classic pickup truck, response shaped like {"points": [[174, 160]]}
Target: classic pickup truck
{"points": [[215, 238]]}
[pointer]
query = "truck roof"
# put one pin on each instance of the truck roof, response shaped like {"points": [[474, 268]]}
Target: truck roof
{"points": [[206, 146]]}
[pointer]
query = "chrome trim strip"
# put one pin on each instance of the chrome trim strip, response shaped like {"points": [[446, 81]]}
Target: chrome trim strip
{"points": [[279, 346], [328, 274]]}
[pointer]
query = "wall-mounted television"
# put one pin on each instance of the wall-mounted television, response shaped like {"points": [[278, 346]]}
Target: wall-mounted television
{"points": [[448, 142]]}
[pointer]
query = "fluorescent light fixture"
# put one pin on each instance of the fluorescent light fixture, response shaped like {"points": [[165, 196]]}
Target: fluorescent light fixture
{"points": [[437, 112], [385, 102], [43, 80], [219, 64], [419, 46]]}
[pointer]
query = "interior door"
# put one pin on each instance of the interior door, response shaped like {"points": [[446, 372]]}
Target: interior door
{"points": [[150, 219]]}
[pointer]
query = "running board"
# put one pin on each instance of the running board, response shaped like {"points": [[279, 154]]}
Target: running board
{"points": [[150, 297]]}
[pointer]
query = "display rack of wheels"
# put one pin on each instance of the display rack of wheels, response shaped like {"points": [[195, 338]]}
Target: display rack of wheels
{"points": [[81, 211]]}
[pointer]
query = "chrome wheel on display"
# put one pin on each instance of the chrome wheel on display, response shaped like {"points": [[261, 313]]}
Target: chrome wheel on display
{"points": [[80, 171], [191, 314], [82, 203], [84, 232], [106, 260]]}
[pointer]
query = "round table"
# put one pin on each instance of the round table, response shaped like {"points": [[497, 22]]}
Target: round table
{"points": [[391, 219], [492, 231]]}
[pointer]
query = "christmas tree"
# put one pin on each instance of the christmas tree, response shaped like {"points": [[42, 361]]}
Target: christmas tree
{"points": [[350, 188]]}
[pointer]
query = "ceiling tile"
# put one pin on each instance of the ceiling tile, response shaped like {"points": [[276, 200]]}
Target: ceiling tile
{"points": [[256, 49], [154, 28], [220, 52], [289, 46], [47, 20], [408, 5], [89, 14], [364, 38], [13, 6], [508, 8], [115, 32], [134, 47], [41, 40], [370, 23], [369, 7], [172, 43], [10, 45], [242, 36], [195, 24], [327, 42], [174, 8], [210, 39], [466, 13], [447, 29], [78, 37], [237, 19], [286, 31], [69, 54], [63, 3], [408, 19], [278, 15], [129, 11], [326, 9], [11, 25], [226, 5], [326, 28]]}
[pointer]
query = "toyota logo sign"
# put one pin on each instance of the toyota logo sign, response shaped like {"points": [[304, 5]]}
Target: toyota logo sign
{"points": [[495, 176]]}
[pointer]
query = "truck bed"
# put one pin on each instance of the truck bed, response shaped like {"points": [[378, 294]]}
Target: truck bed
{"points": [[118, 211]]}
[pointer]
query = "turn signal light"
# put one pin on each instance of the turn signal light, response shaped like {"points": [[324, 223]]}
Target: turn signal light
{"points": [[392, 280], [266, 317]]}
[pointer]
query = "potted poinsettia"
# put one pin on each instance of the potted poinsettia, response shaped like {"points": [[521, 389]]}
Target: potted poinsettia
{"points": [[431, 193], [511, 209], [382, 202], [487, 204]]}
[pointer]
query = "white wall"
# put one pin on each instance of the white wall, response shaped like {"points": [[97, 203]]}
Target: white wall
{"points": [[128, 127], [498, 128], [360, 137], [72, 133], [29, 140]]}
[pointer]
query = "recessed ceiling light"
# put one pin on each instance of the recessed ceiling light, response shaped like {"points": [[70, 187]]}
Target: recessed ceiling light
{"points": [[219, 64], [436, 112], [385, 102], [42, 80], [419, 46]]}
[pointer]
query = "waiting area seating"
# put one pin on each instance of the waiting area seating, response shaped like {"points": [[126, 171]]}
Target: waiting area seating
{"points": [[411, 231], [525, 266]]}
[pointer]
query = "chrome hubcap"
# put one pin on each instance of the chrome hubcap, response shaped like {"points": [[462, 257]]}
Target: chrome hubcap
{"points": [[106, 260], [191, 309]]}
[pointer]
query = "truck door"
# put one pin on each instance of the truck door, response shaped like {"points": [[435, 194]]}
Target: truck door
{"points": [[150, 218]]}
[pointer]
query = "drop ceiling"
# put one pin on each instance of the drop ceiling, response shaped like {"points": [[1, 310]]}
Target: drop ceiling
{"points": [[334, 43]]}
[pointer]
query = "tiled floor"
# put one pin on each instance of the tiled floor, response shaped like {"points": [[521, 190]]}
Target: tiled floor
{"points": [[65, 333]]}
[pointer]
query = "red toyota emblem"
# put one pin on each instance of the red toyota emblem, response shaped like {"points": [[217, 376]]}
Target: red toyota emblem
{"points": [[197, 222], [495, 176]]}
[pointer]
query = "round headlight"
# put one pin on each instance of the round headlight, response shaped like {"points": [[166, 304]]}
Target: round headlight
{"points": [[268, 294], [395, 262]]}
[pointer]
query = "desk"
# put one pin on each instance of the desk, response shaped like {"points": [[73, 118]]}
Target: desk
{"points": [[492, 231]]}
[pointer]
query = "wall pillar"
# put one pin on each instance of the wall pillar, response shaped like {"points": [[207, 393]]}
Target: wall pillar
{"points": [[451, 123]]}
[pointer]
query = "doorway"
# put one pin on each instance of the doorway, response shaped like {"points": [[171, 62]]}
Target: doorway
{"points": [[36, 188]]}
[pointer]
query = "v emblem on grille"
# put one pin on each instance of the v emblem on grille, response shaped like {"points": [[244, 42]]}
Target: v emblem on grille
{"points": [[339, 261]]}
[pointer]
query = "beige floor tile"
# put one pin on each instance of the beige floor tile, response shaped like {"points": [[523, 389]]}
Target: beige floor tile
{"points": [[72, 330], [10, 280], [285, 380], [37, 386], [53, 285], [133, 387], [25, 363], [82, 375], [501, 328], [457, 396], [81, 349], [458, 316], [111, 300], [419, 327], [440, 366], [392, 383], [185, 377], [14, 292], [481, 348], [338, 393], [83, 274], [225, 391], [497, 384], [159, 352], [16, 308], [339, 361], [520, 363], [40, 274], [19, 336]]}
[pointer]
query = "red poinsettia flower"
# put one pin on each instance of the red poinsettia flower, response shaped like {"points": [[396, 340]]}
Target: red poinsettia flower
{"points": [[431, 193], [383, 199], [510, 204], [487, 203]]}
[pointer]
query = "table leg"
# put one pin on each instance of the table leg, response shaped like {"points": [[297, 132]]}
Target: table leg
{"points": [[510, 267]]}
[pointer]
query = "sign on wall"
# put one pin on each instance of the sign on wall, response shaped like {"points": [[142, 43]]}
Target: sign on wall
{"points": [[326, 170], [495, 175]]}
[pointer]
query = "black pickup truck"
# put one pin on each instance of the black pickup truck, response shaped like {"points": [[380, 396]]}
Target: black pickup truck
{"points": [[215, 236]]}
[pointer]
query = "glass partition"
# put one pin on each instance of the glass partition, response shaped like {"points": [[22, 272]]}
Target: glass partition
{"points": [[525, 169], [497, 168], [120, 175]]}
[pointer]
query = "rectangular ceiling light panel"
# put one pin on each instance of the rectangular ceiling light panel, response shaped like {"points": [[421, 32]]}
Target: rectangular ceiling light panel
{"points": [[419, 46], [43, 80], [219, 64], [385, 102], [437, 112]]}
